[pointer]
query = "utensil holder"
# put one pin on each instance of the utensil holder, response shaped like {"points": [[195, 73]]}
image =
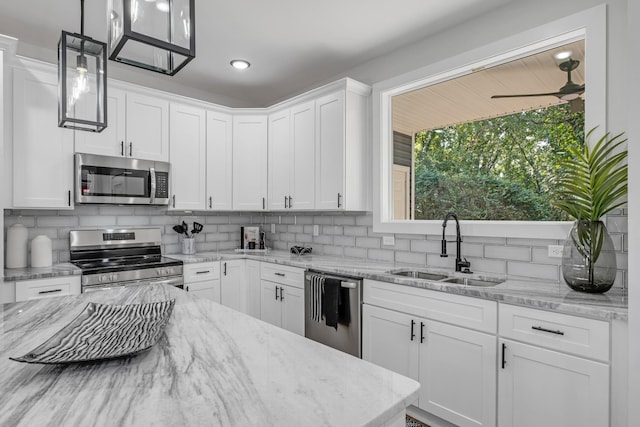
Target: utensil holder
{"points": [[188, 246]]}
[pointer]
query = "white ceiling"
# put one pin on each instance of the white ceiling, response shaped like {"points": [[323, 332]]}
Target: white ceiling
{"points": [[293, 45]]}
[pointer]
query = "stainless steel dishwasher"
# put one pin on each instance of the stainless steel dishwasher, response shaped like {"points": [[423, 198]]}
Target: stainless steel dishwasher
{"points": [[346, 335]]}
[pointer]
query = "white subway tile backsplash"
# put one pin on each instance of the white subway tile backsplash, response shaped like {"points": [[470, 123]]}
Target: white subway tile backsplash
{"points": [[488, 265], [323, 239], [295, 229], [364, 220], [323, 220], [304, 238], [333, 251], [132, 221], [332, 230], [344, 220], [381, 255], [368, 242], [355, 231], [217, 219], [541, 256], [617, 224], [535, 271], [411, 258], [344, 240], [516, 253], [425, 246], [533, 242], [97, 221], [355, 252], [57, 221]]}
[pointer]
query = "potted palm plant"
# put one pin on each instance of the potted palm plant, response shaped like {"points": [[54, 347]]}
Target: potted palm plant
{"points": [[592, 184]]}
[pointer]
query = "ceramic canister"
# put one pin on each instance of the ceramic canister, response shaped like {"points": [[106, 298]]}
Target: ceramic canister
{"points": [[16, 246], [41, 252]]}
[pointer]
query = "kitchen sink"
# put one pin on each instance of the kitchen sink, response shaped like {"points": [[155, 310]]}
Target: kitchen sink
{"points": [[468, 281], [418, 274]]}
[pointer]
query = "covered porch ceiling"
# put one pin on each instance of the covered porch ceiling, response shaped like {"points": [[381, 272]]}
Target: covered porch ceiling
{"points": [[468, 98]]}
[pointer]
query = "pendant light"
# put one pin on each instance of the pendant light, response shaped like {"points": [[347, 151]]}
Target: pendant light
{"points": [[82, 81], [157, 35]]}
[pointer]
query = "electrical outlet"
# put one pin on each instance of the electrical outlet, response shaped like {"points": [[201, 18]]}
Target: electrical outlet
{"points": [[273, 228], [316, 230], [555, 251], [388, 240]]}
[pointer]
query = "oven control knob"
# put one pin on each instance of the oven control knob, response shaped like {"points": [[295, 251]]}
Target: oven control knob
{"points": [[169, 271], [113, 277], [161, 272], [103, 278]]}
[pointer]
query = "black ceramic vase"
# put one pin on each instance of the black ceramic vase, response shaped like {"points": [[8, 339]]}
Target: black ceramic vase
{"points": [[589, 259]]}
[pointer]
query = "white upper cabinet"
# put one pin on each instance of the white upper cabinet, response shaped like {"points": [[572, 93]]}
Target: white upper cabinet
{"points": [[137, 126], [342, 154], [42, 151], [250, 162], [219, 161], [187, 153], [111, 141], [147, 127], [279, 161], [303, 121]]}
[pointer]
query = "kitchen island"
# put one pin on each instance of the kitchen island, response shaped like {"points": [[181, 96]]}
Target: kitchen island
{"points": [[213, 367]]}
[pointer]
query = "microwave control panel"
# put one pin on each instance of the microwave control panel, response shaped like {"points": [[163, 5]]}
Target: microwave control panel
{"points": [[162, 185]]}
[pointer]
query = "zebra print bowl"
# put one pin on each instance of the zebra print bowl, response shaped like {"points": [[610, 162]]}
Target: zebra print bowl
{"points": [[103, 331]]}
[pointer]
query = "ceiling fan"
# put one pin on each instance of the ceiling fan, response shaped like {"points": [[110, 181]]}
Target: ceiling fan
{"points": [[569, 92]]}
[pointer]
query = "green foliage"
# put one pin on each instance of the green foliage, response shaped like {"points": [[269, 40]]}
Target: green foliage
{"points": [[502, 168], [594, 181]]}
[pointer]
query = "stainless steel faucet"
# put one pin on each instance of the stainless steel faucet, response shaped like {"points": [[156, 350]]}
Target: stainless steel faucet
{"points": [[462, 266]]}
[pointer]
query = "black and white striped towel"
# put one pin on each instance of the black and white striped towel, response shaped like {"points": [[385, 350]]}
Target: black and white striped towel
{"points": [[315, 300]]}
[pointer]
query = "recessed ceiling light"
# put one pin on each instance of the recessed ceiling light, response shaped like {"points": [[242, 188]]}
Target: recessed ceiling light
{"points": [[240, 64]]}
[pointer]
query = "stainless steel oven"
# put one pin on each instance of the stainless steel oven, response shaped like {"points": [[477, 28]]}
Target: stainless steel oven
{"points": [[114, 258], [333, 310], [120, 180]]}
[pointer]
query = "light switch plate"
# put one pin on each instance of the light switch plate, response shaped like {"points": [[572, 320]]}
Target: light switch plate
{"points": [[555, 251], [316, 230], [388, 240]]}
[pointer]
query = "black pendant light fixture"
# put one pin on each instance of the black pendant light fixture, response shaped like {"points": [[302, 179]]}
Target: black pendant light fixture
{"points": [[82, 81], [157, 35]]}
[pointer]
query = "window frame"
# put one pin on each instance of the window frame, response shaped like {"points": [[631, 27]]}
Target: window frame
{"points": [[589, 24]]}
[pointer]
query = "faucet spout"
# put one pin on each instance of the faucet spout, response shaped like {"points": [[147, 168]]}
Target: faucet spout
{"points": [[460, 264]]}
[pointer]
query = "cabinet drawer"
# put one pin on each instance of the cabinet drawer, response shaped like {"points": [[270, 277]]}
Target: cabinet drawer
{"points": [[282, 274], [474, 313], [46, 288], [201, 271], [557, 331]]}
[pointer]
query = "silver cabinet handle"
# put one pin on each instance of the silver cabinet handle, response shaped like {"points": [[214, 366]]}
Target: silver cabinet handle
{"points": [[131, 149], [290, 204], [152, 174], [186, 288], [263, 204], [349, 285], [210, 202], [339, 200], [285, 202], [279, 274], [173, 200], [225, 268], [122, 148], [276, 288], [203, 272], [69, 197], [281, 293]]}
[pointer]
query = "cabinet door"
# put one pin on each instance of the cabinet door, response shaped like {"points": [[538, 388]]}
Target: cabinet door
{"points": [[279, 161], [42, 151], [391, 340], [303, 139], [457, 374], [252, 283], [292, 300], [209, 289], [147, 127], [233, 292], [47, 288], [270, 306], [219, 161], [330, 140], [539, 387], [111, 141], [187, 150], [249, 162]]}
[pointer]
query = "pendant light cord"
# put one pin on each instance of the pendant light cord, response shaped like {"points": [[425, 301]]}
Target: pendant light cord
{"points": [[82, 17]]}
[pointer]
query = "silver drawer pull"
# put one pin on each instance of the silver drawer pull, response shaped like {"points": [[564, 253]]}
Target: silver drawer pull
{"points": [[279, 274], [349, 285], [551, 331], [52, 291], [203, 272]]}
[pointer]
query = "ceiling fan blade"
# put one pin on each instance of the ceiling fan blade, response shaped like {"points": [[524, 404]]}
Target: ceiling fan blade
{"points": [[527, 95]]}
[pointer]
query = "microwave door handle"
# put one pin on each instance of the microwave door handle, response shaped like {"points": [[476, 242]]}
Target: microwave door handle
{"points": [[152, 173]]}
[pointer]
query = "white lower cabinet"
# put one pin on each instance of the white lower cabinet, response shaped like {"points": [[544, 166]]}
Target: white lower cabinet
{"points": [[233, 292], [252, 282], [404, 330], [203, 279], [282, 296], [46, 288], [551, 377]]}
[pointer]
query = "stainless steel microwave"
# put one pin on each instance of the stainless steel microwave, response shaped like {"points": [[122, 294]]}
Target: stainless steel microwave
{"points": [[120, 180]]}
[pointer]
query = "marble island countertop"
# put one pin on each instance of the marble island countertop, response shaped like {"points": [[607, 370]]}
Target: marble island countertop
{"points": [[213, 367], [538, 294]]}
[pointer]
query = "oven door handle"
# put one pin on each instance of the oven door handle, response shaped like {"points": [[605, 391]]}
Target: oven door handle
{"points": [[349, 285]]}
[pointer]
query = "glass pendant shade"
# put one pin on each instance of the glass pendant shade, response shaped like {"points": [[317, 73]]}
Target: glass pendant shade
{"points": [[82, 83], [158, 35]]}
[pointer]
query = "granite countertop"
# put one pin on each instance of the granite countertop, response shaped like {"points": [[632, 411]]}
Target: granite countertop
{"points": [[213, 367], [537, 294]]}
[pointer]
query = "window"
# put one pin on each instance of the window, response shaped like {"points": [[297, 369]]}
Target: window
{"points": [[426, 118]]}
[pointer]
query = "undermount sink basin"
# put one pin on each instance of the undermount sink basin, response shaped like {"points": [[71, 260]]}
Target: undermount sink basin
{"points": [[417, 274], [468, 281]]}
